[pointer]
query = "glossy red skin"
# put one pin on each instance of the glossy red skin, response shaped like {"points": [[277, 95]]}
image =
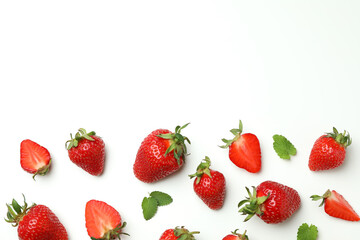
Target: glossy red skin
{"points": [[211, 190], [245, 153], [168, 235], [326, 154], [31, 150], [41, 223], [231, 237], [89, 155], [150, 164], [337, 206], [281, 204]]}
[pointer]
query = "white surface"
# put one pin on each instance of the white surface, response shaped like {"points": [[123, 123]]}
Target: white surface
{"points": [[125, 68]]}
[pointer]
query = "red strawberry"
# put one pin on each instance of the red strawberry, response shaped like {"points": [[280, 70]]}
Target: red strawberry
{"points": [[178, 233], [329, 151], [103, 221], [87, 151], [271, 201], [161, 153], [236, 236], [209, 185], [244, 150], [337, 206], [35, 222], [34, 158]]}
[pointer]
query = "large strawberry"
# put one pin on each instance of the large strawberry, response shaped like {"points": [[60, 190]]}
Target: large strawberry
{"points": [[34, 159], [209, 185], [35, 222], [160, 154], [271, 201], [178, 233], [103, 222], [236, 236], [336, 206], [329, 151], [87, 151], [244, 150]]}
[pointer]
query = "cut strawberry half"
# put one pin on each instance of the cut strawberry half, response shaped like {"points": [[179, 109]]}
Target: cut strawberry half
{"points": [[102, 221], [244, 150], [34, 158], [337, 206]]}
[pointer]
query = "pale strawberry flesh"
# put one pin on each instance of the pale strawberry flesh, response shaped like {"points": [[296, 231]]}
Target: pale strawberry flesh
{"points": [[33, 156], [337, 206], [245, 153]]}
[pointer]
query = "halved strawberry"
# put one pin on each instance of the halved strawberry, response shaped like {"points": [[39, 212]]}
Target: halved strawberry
{"points": [[244, 150], [102, 221], [337, 206], [34, 158]]}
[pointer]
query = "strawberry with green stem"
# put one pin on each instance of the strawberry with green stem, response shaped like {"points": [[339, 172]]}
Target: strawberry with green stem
{"points": [[236, 236], [178, 233]]}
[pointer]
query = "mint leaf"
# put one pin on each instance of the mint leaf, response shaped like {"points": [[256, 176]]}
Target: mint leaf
{"points": [[149, 206], [283, 147], [307, 233], [162, 198]]}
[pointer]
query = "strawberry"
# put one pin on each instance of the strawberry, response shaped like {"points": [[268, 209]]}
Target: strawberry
{"points": [[35, 222], [178, 233], [244, 150], [209, 185], [337, 206], [103, 222], [87, 151], [329, 151], [236, 236], [160, 154], [34, 158], [271, 201]]}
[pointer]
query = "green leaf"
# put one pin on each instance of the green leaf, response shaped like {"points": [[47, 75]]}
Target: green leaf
{"points": [[162, 198], [149, 206], [283, 147], [307, 233]]}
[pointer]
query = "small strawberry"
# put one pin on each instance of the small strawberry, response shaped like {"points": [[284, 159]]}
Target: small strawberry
{"points": [[34, 158], [337, 206], [271, 201], [209, 185], [87, 151], [236, 236], [329, 151], [35, 222], [103, 222], [178, 233], [244, 150], [160, 154]]}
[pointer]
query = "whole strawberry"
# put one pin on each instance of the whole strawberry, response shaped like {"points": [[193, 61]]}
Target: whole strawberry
{"points": [[337, 206], [35, 222], [103, 221], [34, 159], [329, 151], [209, 185], [87, 151], [236, 236], [244, 150], [271, 201], [160, 154], [178, 233]]}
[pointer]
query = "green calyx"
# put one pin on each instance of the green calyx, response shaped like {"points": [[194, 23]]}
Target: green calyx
{"points": [[184, 234], [342, 138], [326, 195], [113, 233], [16, 212], [42, 171], [81, 134], [252, 204], [237, 133], [241, 236], [203, 168], [177, 143]]}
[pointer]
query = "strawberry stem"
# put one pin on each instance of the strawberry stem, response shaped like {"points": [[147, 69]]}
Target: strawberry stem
{"points": [[203, 168], [253, 205], [81, 134], [16, 212], [236, 132], [342, 138]]}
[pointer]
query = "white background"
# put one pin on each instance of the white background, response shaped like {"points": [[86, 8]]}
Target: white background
{"points": [[126, 68]]}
